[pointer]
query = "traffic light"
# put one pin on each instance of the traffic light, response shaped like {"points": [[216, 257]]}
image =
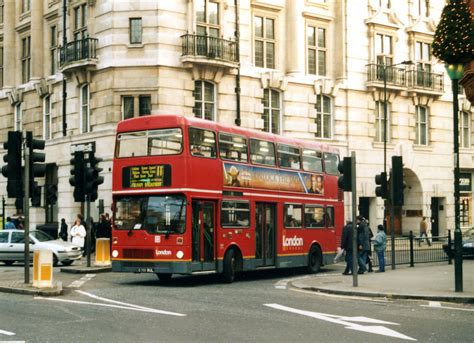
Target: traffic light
{"points": [[36, 169], [51, 194], [77, 178], [397, 183], [382, 189], [35, 194], [12, 170], [345, 179], [97, 179]]}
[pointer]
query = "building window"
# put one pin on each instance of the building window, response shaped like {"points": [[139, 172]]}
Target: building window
{"points": [[264, 42], [421, 125], [204, 100], [80, 22], [465, 129], [271, 111], [423, 64], [379, 121], [52, 49], [25, 6], [18, 117], [47, 117], [25, 59], [85, 110], [135, 30], [316, 50], [323, 116], [128, 107], [1, 11], [1, 67], [383, 49], [207, 18], [144, 105]]}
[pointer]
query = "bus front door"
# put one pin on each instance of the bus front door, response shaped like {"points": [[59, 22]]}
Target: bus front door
{"points": [[203, 226], [265, 231]]}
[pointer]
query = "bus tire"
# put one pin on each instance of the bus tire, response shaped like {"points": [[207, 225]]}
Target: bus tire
{"points": [[230, 264], [314, 259], [164, 276]]}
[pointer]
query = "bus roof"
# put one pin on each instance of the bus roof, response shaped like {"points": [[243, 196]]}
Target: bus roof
{"points": [[156, 121]]}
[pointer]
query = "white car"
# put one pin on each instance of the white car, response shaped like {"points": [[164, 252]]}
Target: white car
{"points": [[12, 247]]}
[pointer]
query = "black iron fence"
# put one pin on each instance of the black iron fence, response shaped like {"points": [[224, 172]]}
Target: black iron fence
{"points": [[78, 50], [425, 80], [395, 76], [413, 250], [209, 47]]}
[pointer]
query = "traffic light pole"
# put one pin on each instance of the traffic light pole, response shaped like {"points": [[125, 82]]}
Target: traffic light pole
{"points": [[26, 210], [392, 220], [354, 215], [88, 230]]}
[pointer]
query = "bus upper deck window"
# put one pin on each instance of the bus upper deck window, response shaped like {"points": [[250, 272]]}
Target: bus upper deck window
{"points": [[330, 163], [312, 161], [233, 147], [262, 152], [202, 143]]}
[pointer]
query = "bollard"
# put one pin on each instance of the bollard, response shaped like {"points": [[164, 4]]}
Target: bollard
{"points": [[102, 252], [43, 268]]}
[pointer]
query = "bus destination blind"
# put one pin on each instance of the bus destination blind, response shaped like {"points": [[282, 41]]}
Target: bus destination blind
{"points": [[146, 176]]}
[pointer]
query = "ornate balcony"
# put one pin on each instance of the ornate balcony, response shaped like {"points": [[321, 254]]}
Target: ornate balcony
{"points": [[78, 54], [396, 77], [424, 82], [208, 50]]}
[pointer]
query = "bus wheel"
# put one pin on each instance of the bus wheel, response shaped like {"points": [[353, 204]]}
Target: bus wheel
{"points": [[164, 276], [314, 259], [228, 274]]}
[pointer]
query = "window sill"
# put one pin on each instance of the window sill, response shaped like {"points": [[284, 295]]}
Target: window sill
{"points": [[380, 145], [135, 45], [423, 148]]}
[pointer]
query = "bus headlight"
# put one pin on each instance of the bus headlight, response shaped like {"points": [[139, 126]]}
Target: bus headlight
{"points": [[179, 254], [115, 253]]}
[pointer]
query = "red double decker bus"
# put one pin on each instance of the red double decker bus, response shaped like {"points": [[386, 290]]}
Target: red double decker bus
{"points": [[193, 196]]}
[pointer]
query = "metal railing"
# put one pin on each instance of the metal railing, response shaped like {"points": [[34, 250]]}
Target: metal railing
{"points": [[412, 250], [78, 50], [395, 76], [425, 80], [209, 47]]}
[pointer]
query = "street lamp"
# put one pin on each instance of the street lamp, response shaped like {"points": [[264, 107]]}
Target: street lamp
{"points": [[455, 72], [392, 231]]}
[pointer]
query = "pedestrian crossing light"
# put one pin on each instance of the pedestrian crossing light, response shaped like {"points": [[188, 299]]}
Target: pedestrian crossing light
{"points": [[12, 169], [345, 179], [397, 175], [382, 189], [77, 178], [37, 169]]}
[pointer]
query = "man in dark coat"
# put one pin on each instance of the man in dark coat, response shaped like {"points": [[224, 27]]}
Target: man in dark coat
{"points": [[346, 244], [63, 230], [363, 243]]}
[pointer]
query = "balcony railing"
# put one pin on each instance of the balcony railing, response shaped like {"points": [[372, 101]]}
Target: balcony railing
{"points": [[395, 76], [212, 48], [78, 50], [423, 80]]}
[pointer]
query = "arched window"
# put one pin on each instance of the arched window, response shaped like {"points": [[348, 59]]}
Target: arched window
{"points": [[204, 100], [323, 116], [271, 111]]}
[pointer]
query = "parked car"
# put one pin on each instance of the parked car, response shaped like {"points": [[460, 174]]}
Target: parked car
{"points": [[467, 244], [12, 247]]}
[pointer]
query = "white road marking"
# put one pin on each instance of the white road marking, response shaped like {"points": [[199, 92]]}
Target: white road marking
{"points": [[347, 322], [111, 301], [81, 281], [438, 305], [127, 307], [8, 333], [434, 304]]}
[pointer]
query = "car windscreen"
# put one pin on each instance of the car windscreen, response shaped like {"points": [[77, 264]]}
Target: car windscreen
{"points": [[41, 236], [155, 214]]}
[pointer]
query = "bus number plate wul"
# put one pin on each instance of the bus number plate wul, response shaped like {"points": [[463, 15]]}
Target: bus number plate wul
{"points": [[146, 176]]}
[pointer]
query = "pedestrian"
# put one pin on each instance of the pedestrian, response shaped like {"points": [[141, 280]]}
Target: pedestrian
{"points": [[363, 243], [103, 228], [63, 230], [9, 224], [78, 233], [107, 217], [21, 223], [424, 231], [346, 244], [368, 262], [380, 243]]}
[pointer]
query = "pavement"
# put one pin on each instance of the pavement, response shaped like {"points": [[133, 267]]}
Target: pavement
{"points": [[433, 282]]}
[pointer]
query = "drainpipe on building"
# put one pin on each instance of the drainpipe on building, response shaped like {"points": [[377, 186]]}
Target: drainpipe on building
{"points": [[238, 121], [64, 76]]}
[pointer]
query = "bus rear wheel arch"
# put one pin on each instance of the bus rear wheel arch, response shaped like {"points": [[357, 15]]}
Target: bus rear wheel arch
{"points": [[315, 258], [232, 264]]}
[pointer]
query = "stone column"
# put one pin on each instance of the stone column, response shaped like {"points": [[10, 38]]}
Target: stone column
{"points": [[37, 40], [295, 37], [9, 48]]}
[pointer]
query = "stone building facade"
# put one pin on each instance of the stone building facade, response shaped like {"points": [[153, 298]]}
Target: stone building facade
{"points": [[311, 69]]}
